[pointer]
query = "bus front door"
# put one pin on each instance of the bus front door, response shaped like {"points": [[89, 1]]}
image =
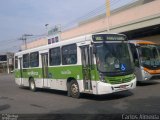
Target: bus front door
{"points": [[44, 58], [21, 71], [86, 68]]}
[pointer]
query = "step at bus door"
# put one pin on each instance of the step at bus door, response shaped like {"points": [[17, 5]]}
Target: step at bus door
{"points": [[44, 58], [21, 71], [86, 68]]}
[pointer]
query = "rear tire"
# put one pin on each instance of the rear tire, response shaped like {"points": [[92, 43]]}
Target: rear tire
{"points": [[32, 85], [74, 89]]}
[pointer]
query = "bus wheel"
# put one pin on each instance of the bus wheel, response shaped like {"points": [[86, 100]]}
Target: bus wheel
{"points": [[32, 85], [74, 89]]}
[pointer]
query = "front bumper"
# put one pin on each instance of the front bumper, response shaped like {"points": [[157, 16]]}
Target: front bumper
{"points": [[105, 88]]}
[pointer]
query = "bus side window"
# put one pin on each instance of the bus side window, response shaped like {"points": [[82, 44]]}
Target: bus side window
{"points": [[26, 61], [134, 54], [34, 59], [54, 56], [69, 54]]}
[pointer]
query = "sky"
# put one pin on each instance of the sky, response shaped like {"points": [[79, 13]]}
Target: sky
{"points": [[18, 17]]}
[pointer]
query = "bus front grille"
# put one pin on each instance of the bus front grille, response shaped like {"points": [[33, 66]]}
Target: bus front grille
{"points": [[119, 81]]}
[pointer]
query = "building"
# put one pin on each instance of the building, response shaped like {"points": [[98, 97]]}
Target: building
{"points": [[6, 63], [139, 20]]}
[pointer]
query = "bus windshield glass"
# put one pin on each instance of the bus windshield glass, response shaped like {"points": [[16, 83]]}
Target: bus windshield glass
{"points": [[150, 56], [114, 58]]}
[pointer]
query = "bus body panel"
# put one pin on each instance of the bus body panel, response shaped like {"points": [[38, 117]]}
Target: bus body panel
{"points": [[105, 88]]}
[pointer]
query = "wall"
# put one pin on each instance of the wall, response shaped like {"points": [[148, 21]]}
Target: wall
{"points": [[36, 43], [118, 19]]}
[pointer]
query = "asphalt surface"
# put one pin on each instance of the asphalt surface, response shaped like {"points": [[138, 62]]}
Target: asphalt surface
{"points": [[144, 99]]}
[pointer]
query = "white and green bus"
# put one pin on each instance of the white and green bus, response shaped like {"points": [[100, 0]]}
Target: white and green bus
{"points": [[95, 64]]}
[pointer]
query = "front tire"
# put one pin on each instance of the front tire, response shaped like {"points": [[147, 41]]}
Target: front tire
{"points": [[74, 89], [32, 85]]}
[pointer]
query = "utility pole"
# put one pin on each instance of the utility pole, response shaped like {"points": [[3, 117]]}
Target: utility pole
{"points": [[24, 38], [108, 13]]}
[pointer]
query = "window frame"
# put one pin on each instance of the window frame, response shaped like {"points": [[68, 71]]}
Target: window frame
{"points": [[58, 55], [34, 60], [65, 56], [28, 61]]}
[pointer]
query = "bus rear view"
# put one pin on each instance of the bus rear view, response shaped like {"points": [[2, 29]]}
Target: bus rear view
{"points": [[147, 60]]}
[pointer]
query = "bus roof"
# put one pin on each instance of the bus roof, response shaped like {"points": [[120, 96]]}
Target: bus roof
{"points": [[79, 39], [57, 44], [144, 42]]}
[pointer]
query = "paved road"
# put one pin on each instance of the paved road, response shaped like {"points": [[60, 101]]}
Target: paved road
{"points": [[144, 99]]}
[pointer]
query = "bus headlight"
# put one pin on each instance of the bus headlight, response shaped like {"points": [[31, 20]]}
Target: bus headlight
{"points": [[146, 74]]}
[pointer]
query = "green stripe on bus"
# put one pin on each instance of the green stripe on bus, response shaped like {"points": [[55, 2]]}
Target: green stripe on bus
{"points": [[64, 72], [60, 72]]}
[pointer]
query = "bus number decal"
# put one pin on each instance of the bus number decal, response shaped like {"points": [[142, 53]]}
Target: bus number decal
{"points": [[67, 72], [32, 73]]}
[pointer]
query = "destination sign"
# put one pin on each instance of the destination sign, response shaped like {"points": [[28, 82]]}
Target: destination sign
{"points": [[109, 37]]}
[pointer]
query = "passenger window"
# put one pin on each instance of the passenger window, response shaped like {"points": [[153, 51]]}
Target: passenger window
{"points": [[54, 56], [34, 59], [26, 61], [69, 54]]}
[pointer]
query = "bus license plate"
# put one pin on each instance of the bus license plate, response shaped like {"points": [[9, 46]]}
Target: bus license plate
{"points": [[123, 86]]}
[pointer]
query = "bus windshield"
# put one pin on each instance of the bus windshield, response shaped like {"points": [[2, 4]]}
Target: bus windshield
{"points": [[150, 56], [114, 58]]}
